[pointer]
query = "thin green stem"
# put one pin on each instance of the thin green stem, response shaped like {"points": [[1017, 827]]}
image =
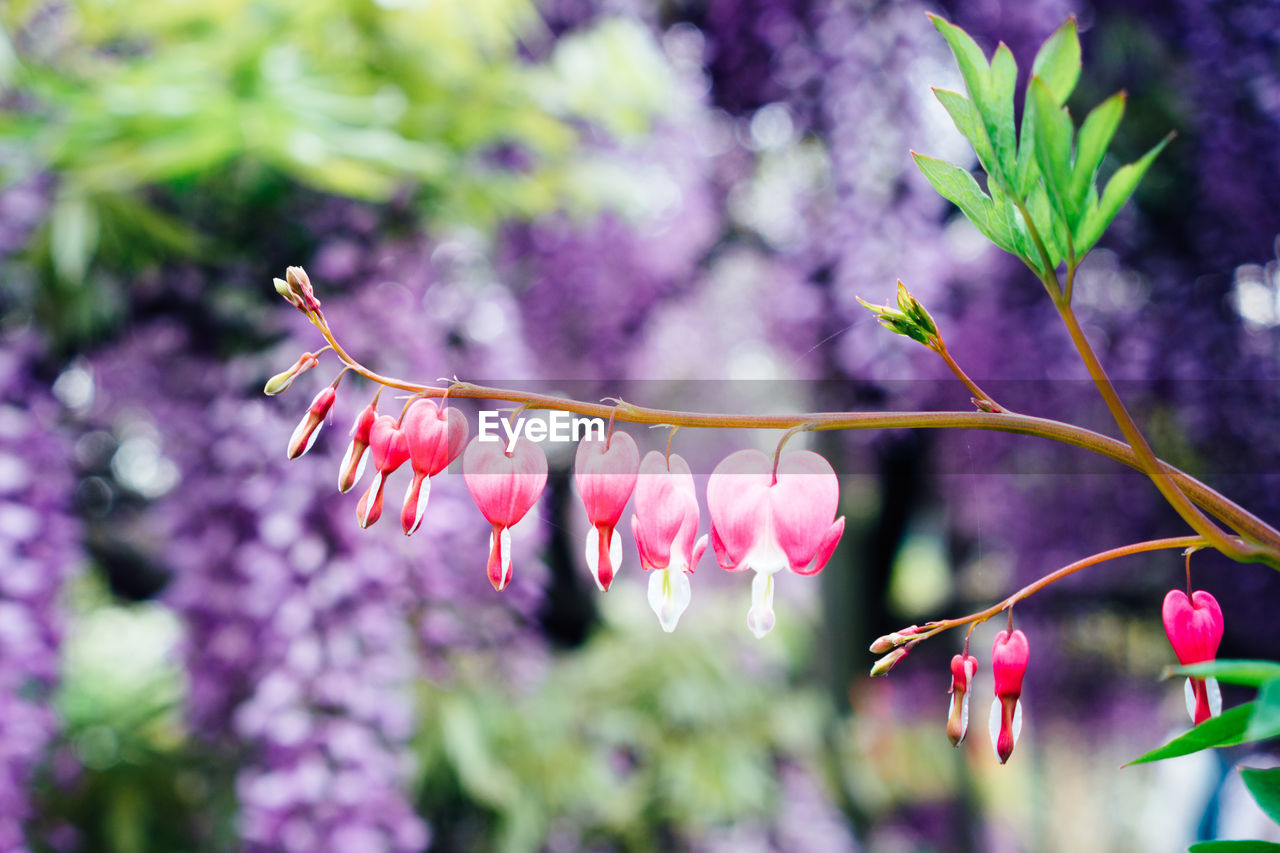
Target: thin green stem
{"points": [[1146, 458]]}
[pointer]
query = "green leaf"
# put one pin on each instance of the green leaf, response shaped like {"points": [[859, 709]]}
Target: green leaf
{"points": [[959, 187], [997, 111], [1052, 131], [1264, 785], [1057, 62], [1234, 847], [1265, 722], [969, 57], [1091, 145], [1119, 188], [1225, 730], [1250, 673], [965, 116]]}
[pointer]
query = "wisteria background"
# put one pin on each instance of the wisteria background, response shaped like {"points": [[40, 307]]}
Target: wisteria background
{"points": [[200, 649]]}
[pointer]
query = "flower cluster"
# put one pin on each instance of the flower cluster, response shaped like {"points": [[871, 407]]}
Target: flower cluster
{"points": [[766, 514]]}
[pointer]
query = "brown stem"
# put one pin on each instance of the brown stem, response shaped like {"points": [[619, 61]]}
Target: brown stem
{"points": [[941, 350]]}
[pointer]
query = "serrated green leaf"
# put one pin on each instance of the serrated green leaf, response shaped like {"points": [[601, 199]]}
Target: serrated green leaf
{"points": [[965, 116], [1264, 786], [1052, 132], [957, 186], [1119, 189], [1091, 144], [1250, 673], [1234, 847], [1057, 62], [1225, 730], [1265, 722]]}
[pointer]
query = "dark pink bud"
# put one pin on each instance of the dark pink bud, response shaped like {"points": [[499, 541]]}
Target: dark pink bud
{"points": [[300, 284], [304, 435], [605, 472], [1194, 626], [436, 437], [390, 450], [963, 668], [353, 462], [1009, 656], [504, 487]]}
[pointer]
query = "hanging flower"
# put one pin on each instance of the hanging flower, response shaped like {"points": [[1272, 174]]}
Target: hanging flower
{"points": [[505, 486], [664, 525], [768, 520], [390, 450], [436, 436], [308, 429], [353, 461], [1194, 626], [1009, 656], [605, 471], [963, 668]]}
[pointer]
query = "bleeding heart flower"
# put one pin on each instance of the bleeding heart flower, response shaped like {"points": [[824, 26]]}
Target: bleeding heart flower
{"points": [[664, 525], [436, 437], [1009, 656], [505, 487], [1194, 626], [308, 429], [390, 450], [768, 521], [353, 461], [963, 668], [605, 471]]}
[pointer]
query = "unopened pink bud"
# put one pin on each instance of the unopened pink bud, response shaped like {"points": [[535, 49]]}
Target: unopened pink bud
{"points": [[300, 284], [353, 462], [309, 427], [281, 381], [1009, 656], [390, 450], [892, 641], [963, 668], [888, 662]]}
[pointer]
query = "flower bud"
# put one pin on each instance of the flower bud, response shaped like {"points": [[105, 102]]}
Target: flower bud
{"points": [[888, 662], [354, 460], [309, 427], [300, 284], [281, 381], [892, 641], [282, 288], [1009, 656], [963, 668]]}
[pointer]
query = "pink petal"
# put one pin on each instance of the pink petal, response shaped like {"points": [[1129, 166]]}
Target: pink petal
{"points": [[738, 503], [804, 502], [1194, 626], [387, 445], [1009, 656], [504, 487], [666, 505], [606, 478], [825, 549]]}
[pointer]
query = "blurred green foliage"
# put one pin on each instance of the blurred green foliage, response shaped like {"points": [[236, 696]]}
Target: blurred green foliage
{"points": [[633, 742], [148, 112]]}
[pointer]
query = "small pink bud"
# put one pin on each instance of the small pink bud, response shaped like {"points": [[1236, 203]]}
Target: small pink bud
{"points": [[300, 284], [281, 381], [304, 435], [1009, 656], [504, 487], [436, 437], [1194, 627], [605, 471], [889, 661], [892, 641], [963, 668], [353, 462], [390, 450]]}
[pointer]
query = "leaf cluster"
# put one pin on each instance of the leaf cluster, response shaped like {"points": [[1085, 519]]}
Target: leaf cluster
{"points": [[1251, 722], [1042, 201]]}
